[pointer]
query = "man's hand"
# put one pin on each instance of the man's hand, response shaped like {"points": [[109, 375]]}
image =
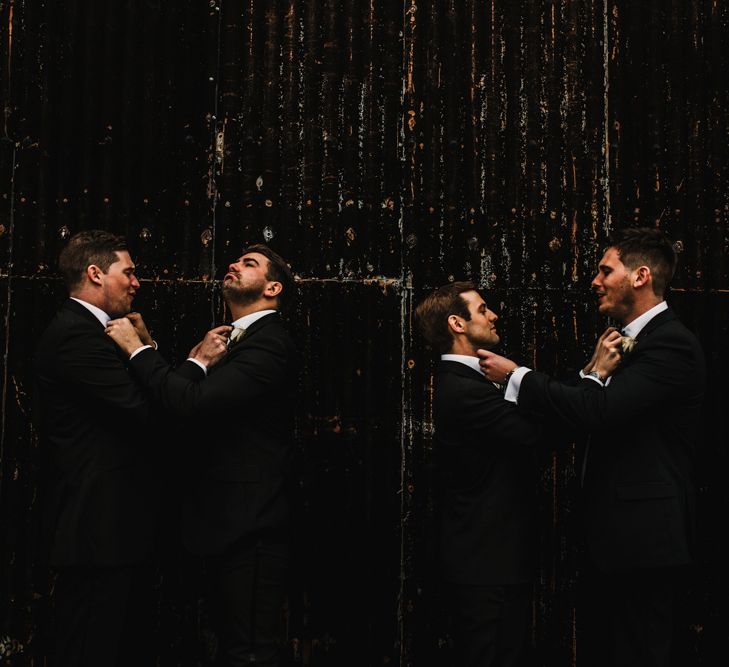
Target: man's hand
{"points": [[494, 367], [608, 353], [141, 328], [124, 334], [591, 364], [213, 347]]}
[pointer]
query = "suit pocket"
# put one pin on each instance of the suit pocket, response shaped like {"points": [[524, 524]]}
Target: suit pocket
{"points": [[234, 472], [646, 490]]}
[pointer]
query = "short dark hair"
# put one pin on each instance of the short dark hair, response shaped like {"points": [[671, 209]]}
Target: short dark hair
{"points": [[278, 269], [93, 246], [433, 311], [650, 246]]}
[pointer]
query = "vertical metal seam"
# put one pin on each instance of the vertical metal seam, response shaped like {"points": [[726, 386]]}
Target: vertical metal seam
{"points": [[6, 319], [213, 151], [606, 91], [403, 292]]}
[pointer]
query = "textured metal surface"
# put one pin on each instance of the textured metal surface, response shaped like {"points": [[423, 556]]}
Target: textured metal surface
{"points": [[384, 148]]}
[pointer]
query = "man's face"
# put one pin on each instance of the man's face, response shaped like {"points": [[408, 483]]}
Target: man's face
{"points": [[119, 285], [613, 286], [246, 279], [480, 329]]}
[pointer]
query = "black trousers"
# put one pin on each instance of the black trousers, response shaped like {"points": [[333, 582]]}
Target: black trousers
{"points": [[248, 585], [103, 616], [628, 618], [491, 624]]}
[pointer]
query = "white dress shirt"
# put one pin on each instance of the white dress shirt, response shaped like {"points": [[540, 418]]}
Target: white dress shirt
{"points": [[241, 323], [463, 359], [95, 311]]}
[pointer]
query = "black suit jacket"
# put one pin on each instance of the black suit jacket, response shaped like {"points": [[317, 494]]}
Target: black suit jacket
{"points": [[242, 415], [486, 468], [639, 496], [100, 508]]}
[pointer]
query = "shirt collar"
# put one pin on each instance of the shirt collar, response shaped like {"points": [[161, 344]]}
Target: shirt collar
{"points": [[463, 359], [246, 321], [95, 311], [636, 326]]}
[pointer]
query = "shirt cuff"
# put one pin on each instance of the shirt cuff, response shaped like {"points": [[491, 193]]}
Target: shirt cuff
{"points": [[584, 375], [512, 389], [199, 363], [139, 349]]}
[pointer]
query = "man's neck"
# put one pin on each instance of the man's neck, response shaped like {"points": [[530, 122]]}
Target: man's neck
{"points": [[237, 310], [462, 347], [641, 307], [89, 296]]}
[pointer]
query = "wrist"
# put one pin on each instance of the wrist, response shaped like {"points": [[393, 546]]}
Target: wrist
{"points": [[597, 374], [507, 377]]}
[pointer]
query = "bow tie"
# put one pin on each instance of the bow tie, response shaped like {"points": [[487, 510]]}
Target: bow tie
{"points": [[236, 335]]}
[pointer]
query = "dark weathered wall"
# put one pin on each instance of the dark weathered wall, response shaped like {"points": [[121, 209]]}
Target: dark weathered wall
{"points": [[384, 148]]}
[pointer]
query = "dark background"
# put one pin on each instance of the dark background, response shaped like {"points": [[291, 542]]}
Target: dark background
{"points": [[383, 148]]}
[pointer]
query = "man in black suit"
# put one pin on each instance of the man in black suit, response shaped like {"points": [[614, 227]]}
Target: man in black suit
{"points": [[487, 480], [644, 422], [236, 516], [99, 509]]}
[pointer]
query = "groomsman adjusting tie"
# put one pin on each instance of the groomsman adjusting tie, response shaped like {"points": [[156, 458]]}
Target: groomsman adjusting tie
{"points": [[644, 424], [238, 401]]}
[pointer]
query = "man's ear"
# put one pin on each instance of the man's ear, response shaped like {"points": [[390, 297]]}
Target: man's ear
{"points": [[94, 273], [642, 276], [273, 289], [455, 324]]}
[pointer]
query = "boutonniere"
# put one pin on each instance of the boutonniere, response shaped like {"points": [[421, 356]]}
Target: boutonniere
{"points": [[627, 344], [236, 335]]}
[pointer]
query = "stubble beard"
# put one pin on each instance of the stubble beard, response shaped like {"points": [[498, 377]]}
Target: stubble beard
{"points": [[241, 295]]}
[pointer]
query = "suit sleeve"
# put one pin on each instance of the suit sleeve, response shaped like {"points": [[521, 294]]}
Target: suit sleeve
{"points": [[94, 368], [487, 412], [247, 376], [655, 378]]}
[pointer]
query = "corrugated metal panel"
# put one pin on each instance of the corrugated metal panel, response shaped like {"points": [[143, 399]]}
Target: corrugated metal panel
{"points": [[384, 148]]}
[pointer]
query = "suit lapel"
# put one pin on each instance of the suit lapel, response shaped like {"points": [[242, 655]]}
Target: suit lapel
{"points": [[462, 370], [76, 308], [662, 317], [82, 311], [252, 330]]}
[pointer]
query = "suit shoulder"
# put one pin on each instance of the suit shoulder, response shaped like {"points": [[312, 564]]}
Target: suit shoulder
{"points": [[450, 386]]}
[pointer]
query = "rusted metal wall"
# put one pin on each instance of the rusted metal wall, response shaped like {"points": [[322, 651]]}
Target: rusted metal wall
{"points": [[384, 148]]}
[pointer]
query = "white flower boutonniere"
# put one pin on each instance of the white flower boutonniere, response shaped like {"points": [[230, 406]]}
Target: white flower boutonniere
{"points": [[627, 344], [236, 335]]}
